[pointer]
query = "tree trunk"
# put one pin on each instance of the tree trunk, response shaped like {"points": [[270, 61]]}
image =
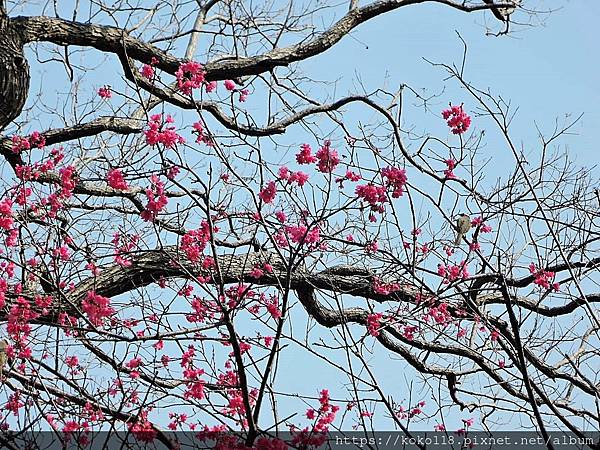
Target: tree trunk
{"points": [[14, 72]]}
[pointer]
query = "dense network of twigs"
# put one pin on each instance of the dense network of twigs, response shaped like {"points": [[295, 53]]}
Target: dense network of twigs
{"points": [[169, 245]]}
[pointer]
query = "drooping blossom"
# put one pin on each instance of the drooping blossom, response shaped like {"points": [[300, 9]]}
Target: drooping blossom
{"points": [[268, 193], [34, 140], [543, 278], [159, 132], [457, 119], [6, 214], [115, 180], [97, 308], [190, 75], [396, 179], [305, 156], [105, 92], [157, 200], [327, 158], [194, 242], [229, 85], [449, 171], [374, 323]]}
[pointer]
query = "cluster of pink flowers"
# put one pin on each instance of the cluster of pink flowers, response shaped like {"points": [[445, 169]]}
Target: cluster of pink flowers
{"points": [[22, 193], [300, 234], [478, 222], [68, 180], [235, 294], [371, 247], [374, 323], [202, 136], [382, 288], [450, 166], [543, 278], [375, 196], [33, 171], [105, 92], [115, 180], [142, 429], [97, 308], [408, 331], [467, 423], [439, 314], [6, 214], [229, 85], [407, 413], [327, 158], [299, 178], [34, 140], [281, 216], [257, 272], [348, 176], [268, 193], [177, 421], [325, 414], [124, 244], [160, 132], [72, 361], [272, 305], [147, 70], [305, 156], [186, 291], [134, 364], [457, 119], [19, 317], [396, 179], [14, 403], [194, 242], [157, 199], [190, 75], [453, 272], [172, 172], [194, 384], [62, 253]]}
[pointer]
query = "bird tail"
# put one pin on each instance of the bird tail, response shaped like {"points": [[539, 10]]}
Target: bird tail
{"points": [[458, 239]]}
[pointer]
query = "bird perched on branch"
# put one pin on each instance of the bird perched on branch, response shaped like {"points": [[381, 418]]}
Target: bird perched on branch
{"points": [[3, 355], [463, 225], [504, 12]]}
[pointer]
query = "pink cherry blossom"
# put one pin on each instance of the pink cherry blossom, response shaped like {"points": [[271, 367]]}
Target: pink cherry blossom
{"points": [[190, 75], [327, 158], [268, 193], [229, 85], [97, 308], [305, 156], [374, 323], [105, 92], [161, 132], [457, 119], [115, 180]]}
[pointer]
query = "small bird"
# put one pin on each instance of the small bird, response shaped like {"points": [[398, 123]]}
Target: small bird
{"points": [[463, 225], [3, 356], [504, 12]]}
